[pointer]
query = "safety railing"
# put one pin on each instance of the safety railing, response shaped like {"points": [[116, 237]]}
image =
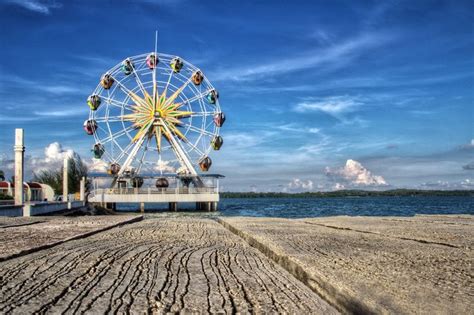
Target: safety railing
{"points": [[154, 191]]}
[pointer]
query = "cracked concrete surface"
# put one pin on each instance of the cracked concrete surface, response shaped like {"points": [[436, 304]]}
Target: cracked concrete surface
{"points": [[21, 235], [159, 265], [420, 264]]}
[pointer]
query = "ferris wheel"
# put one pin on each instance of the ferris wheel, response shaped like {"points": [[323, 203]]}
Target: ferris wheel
{"points": [[154, 113]]}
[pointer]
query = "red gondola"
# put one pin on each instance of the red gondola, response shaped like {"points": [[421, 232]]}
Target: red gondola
{"points": [[152, 60], [90, 126], [219, 119]]}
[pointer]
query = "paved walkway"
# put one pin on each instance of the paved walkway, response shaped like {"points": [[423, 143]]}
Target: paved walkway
{"points": [[158, 265], [416, 265]]}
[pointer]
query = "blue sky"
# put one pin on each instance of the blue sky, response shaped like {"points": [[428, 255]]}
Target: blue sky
{"points": [[319, 95]]}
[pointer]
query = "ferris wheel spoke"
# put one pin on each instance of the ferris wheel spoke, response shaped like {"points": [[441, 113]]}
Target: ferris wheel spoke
{"points": [[194, 148], [209, 124], [116, 103], [199, 96], [202, 114], [124, 152], [139, 82], [178, 149], [136, 147], [176, 93], [167, 83], [198, 130], [137, 99], [142, 158], [109, 119], [117, 134]]}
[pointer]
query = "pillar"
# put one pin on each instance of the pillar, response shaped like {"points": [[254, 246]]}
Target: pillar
{"points": [[65, 179], [142, 207], [83, 189], [173, 206], [19, 149]]}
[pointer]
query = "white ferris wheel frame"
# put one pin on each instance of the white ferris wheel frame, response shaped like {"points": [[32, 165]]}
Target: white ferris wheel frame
{"points": [[193, 99]]}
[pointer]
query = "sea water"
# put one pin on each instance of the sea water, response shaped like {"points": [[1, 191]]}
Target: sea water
{"points": [[319, 207]]}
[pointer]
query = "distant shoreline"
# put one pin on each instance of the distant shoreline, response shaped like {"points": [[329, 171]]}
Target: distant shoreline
{"points": [[352, 193]]}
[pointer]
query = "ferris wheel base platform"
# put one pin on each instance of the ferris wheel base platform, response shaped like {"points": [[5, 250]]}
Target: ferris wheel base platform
{"points": [[206, 199]]}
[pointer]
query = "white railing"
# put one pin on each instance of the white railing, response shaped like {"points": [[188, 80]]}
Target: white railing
{"points": [[154, 191]]}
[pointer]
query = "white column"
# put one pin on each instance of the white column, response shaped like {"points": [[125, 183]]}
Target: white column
{"points": [[83, 189], [65, 179], [19, 149]]}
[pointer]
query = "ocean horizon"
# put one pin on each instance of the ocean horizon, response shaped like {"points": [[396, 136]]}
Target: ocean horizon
{"points": [[327, 206]]}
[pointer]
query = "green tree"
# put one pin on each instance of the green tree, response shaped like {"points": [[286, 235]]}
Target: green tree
{"points": [[2, 176], [54, 178]]}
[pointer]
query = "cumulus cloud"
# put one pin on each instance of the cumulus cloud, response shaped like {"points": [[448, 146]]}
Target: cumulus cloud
{"points": [[468, 146], [354, 174], [164, 166], [338, 186], [300, 185], [53, 159], [97, 165]]}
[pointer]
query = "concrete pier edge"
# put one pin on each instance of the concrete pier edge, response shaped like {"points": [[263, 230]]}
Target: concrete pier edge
{"points": [[334, 296], [80, 236]]}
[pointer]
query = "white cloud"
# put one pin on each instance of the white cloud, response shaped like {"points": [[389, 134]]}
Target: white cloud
{"points": [[300, 185], [54, 156], [468, 146], [59, 89], [78, 110], [97, 165], [298, 128], [39, 6], [333, 54], [338, 186], [53, 159], [333, 106], [449, 185], [354, 174], [164, 166]]}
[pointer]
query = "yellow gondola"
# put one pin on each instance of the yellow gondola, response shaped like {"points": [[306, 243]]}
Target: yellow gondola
{"points": [[176, 64]]}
